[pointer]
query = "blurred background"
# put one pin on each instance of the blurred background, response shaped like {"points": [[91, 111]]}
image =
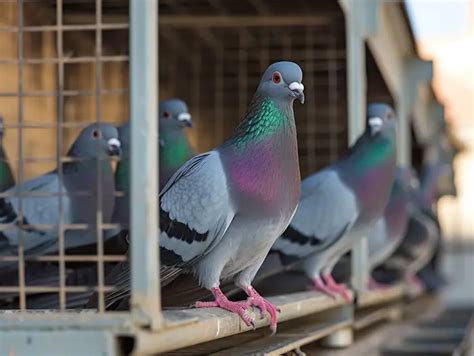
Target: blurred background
{"points": [[444, 30]]}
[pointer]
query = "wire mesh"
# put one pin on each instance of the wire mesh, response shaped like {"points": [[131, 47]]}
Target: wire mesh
{"points": [[216, 69], [59, 77]]}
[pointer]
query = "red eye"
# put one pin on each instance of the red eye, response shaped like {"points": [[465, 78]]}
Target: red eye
{"points": [[276, 77], [96, 134], [166, 115]]}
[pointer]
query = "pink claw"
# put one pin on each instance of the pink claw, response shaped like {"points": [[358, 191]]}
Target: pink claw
{"points": [[221, 301], [374, 285], [263, 305], [416, 282], [340, 289], [319, 285]]}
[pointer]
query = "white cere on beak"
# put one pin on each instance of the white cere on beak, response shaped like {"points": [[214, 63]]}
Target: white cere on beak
{"points": [[375, 124], [296, 86], [185, 116], [114, 142]]}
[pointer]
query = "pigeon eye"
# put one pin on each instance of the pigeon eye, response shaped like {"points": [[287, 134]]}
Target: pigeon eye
{"points": [[96, 134], [276, 77], [166, 115]]}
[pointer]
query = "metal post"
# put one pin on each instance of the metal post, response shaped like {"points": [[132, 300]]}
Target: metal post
{"points": [[415, 72], [356, 77], [145, 302], [356, 91]]}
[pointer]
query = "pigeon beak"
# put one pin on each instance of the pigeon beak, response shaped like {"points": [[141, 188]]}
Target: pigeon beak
{"points": [[114, 147], [185, 119], [297, 91], [375, 124]]}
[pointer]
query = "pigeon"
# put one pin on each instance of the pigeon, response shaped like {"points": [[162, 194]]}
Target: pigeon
{"points": [[26, 217], [416, 248], [6, 176], [221, 212], [389, 230], [340, 204], [421, 239], [175, 150]]}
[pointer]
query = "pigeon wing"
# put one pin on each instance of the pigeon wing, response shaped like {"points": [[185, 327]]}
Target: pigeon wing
{"points": [[326, 210]]}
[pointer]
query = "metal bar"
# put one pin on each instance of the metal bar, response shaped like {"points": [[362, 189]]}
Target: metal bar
{"points": [[64, 124], [52, 28], [98, 113], [333, 100], [145, 301], [59, 144], [356, 91], [219, 135], [48, 289], [64, 93], [21, 251], [222, 21], [71, 258], [310, 109], [65, 60]]}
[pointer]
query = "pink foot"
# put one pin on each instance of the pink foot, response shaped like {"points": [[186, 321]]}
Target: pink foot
{"points": [[263, 305], [374, 285], [319, 285], [416, 282], [340, 289], [221, 301]]}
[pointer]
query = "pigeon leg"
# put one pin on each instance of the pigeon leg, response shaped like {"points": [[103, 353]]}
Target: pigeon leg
{"points": [[221, 301], [340, 289], [374, 285], [416, 282], [264, 306], [321, 286]]}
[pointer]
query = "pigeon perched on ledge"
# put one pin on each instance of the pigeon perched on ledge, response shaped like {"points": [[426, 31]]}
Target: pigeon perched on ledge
{"points": [[39, 205], [340, 204], [389, 230], [222, 211]]}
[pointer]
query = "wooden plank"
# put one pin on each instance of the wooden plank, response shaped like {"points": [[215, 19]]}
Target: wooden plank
{"points": [[380, 296], [287, 341], [366, 318]]}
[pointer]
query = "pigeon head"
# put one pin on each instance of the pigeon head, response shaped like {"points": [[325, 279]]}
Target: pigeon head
{"points": [[174, 113], [282, 80], [96, 141], [380, 118]]}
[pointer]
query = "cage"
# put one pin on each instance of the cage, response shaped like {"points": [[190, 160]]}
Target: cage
{"points": [[69, 63]]}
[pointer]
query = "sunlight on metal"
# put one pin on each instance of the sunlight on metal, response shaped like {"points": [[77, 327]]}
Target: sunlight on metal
{"points": [[145, 301]]}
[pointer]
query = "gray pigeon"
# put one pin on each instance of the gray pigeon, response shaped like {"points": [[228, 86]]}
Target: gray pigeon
{"points": [[423, 234], [417, 247], [89, 153], [175, 150], [340, 204], [6, 176], [389, 230], [221, 212]]}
